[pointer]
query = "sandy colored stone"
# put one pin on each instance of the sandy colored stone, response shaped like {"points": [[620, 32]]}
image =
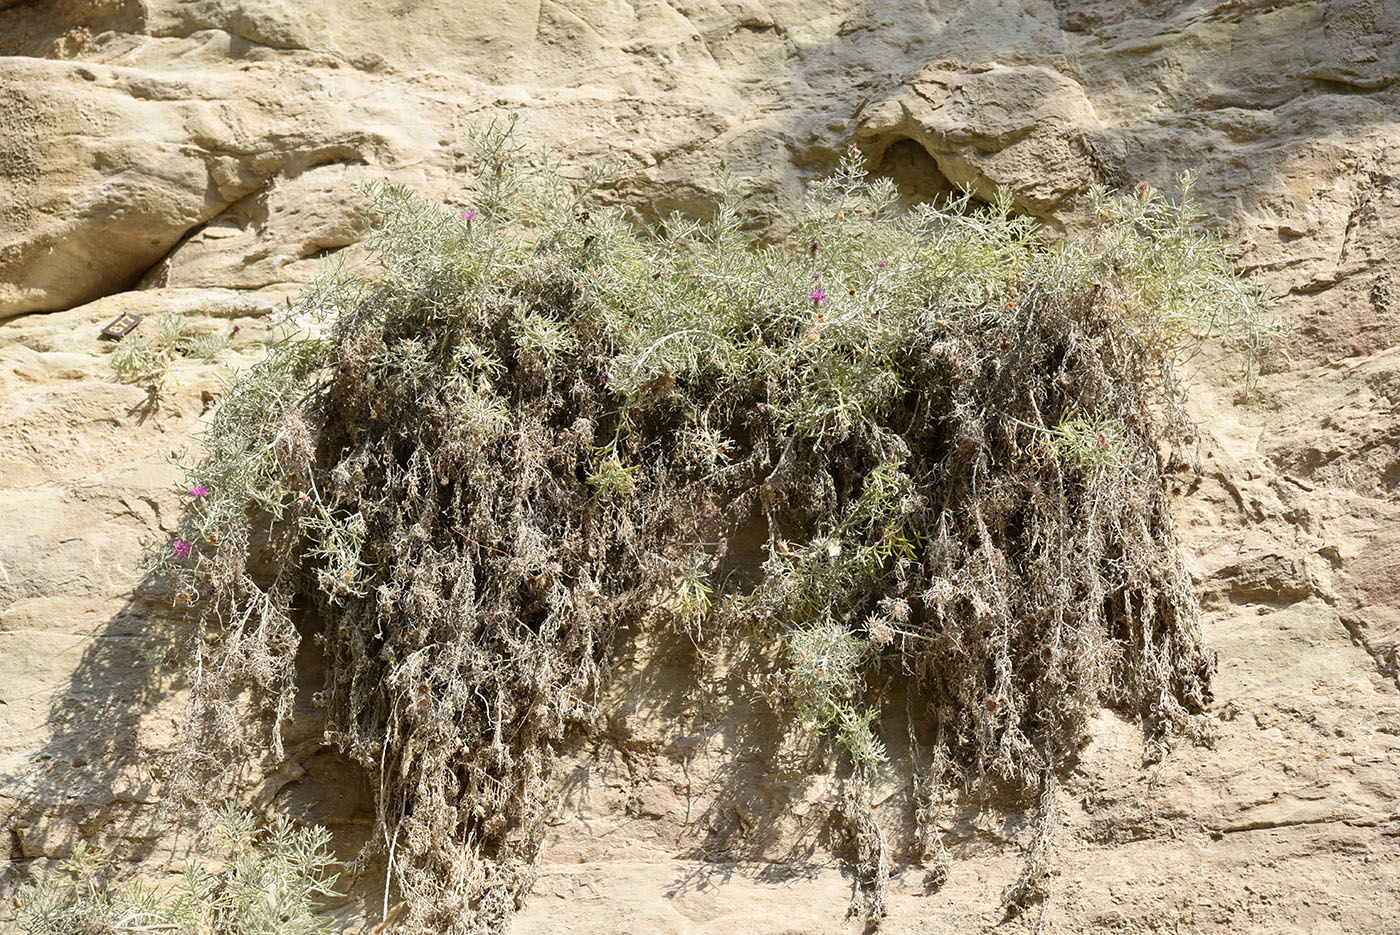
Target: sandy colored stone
{"points": [[200, 158]]}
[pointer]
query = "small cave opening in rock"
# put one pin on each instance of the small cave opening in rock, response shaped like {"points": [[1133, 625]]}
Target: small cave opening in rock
{"points": [[915, 174]]}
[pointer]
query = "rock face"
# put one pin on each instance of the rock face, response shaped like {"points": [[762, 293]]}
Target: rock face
{"points": [[200, 157]]}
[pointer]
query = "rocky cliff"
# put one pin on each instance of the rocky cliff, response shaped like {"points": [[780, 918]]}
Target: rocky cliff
{"points": [[200, 157]]}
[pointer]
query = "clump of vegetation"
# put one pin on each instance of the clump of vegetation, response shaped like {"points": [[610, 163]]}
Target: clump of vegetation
{"points": [[536, 421], [274, 882], [149, 360]]}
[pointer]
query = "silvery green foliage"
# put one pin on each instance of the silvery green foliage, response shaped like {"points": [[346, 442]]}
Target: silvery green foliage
{"points": [[148, 359], [1089, 442], [273, 881]]}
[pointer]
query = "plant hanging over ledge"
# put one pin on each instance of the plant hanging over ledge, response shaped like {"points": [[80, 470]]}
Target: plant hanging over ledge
{"points": [[534, 422]]}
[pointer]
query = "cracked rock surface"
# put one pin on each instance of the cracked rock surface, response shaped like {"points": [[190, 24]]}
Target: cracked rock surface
{"points": [[201, 157]]}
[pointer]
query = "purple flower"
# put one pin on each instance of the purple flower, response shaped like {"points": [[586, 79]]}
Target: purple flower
{"points": [[469, 215], [814, 247], [181, 549], [817, 295], [236, 329], [705, 516], [606, 377], [884, 263], [197, 491]]}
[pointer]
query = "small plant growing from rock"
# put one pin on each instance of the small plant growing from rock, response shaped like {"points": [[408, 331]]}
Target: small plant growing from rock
{"points": [[461, 473], [274, 881], [148, 360]]}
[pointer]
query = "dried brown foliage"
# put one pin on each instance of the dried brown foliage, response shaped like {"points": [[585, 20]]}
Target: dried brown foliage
{"points": [[491, 459]]}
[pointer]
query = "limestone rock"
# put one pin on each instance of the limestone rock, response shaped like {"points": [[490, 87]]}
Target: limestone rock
{"points": [[200, 158], [1028, 128]]}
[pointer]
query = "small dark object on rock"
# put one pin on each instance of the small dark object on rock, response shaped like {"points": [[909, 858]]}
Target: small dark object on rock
{"points": [[121, 326]]}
